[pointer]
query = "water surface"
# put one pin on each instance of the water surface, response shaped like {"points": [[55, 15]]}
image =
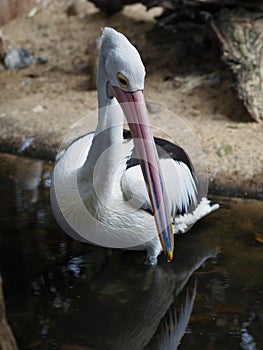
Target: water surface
{"points": [[62, 294]]}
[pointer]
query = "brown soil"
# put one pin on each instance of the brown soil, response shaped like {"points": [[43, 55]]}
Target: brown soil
{"points": [[184, 75]]}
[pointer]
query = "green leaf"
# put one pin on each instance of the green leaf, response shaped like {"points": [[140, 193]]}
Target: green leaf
{"points": [[224, 150]]}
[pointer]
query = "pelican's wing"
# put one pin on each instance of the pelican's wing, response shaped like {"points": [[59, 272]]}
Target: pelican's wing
{"points": [[134, 188], [77, 142], [182, 223], [178, 173], [179, 182], [180, 185]]}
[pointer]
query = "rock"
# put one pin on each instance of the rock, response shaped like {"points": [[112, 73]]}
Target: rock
{"points": [[41, 60], [38, 109], [17, 59], [32, 12]]}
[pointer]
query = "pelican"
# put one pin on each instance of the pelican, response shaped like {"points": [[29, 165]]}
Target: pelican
{"points": [[125, 189]]}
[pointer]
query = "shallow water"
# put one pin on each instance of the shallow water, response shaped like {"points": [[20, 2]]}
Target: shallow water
{"points": [[62, 294]]}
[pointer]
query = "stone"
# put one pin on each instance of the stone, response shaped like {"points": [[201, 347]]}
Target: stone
{"points": [[17, 59]]}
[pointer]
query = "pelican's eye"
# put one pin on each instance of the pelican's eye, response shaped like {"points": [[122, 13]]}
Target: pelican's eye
{"points": [[123, 80]]}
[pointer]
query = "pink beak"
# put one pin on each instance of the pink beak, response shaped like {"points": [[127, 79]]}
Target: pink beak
{"points": [[134, 108]]}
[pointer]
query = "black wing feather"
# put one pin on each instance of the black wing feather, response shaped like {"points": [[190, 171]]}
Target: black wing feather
{"points": [[165, 149]]}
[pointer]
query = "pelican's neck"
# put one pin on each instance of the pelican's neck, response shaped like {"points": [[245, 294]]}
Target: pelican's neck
{"points": [[110, 116], [106, 149]]}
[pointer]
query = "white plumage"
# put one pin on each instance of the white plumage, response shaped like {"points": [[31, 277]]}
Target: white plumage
{"points": [[178, 179]]}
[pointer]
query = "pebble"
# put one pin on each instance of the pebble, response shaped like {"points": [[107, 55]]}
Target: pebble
{"points": [[17, 59], [32, 12], [38, 109], [41, 60]]}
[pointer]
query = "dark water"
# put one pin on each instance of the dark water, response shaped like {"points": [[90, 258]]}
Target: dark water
{"points": [[61, 294]]}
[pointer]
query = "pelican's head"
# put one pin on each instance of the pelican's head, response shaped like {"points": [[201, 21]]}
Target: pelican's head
{"points": [[125, 74], [122, 62]]}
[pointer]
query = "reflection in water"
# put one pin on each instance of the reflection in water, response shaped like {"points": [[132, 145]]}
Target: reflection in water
{"points": [[62, 294], [173, 329]]}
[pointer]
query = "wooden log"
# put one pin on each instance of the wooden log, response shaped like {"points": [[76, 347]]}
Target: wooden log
{"points": [[110, 7], [7, 340], [202, 5], [240, 33]]}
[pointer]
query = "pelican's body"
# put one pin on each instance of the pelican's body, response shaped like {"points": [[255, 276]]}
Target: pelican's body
{"points": [[113, 190]]}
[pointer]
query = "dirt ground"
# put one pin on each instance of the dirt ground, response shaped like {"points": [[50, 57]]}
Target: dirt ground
{"points": [[184, 75]]}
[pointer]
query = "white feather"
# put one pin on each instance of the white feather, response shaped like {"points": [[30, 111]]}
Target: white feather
{"points": [[179, 182], [180, 185], [183, 223]]}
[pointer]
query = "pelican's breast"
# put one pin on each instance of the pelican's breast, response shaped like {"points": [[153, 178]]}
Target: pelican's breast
{"points": [[116, 224]]}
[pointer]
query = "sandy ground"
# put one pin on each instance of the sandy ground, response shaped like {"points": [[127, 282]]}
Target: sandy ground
{"points": [[184, 75]]}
